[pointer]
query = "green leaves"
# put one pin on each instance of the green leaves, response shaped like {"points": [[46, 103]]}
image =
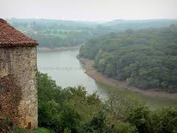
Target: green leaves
{"points": [[159, 121], [146, 58], [97, 125], [72, 110], [65, 110]]}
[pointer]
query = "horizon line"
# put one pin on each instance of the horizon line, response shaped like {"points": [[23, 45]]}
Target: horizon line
{"points": [[93, 20]]}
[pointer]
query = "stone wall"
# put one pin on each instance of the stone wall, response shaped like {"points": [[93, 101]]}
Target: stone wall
{"points": [[21, 63], [10, 97]]}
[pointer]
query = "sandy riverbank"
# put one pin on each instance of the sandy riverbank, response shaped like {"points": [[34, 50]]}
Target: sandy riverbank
{"points": [[90, 71], [48, 49]]}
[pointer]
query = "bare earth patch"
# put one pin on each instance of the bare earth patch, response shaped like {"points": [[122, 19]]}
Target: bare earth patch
{"points": [[90, 71]]}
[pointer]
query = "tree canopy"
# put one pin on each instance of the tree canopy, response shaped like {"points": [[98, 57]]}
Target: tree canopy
{"points": [[145, 58], [62, 33], [72, 110]]}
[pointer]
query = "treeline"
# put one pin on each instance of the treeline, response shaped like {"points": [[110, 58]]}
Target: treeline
{"points": [[54, 33], [72, 110], [145, 58], [59, 33], [63, 39]]}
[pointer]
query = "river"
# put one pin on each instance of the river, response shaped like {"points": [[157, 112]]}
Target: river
{"points": [[66, 70]]}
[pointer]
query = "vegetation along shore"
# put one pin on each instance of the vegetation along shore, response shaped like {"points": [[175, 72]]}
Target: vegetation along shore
{"points": [[49, 49], [98, 76]]}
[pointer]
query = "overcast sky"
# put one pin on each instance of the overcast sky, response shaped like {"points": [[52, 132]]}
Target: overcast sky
{"points": [[89, 10]]}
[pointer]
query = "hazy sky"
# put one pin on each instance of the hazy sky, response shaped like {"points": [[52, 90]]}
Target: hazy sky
{"points": [[89, 10]]}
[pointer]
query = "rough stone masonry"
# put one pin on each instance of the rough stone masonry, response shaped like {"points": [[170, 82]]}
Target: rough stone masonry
{"points": [[18, 67]]}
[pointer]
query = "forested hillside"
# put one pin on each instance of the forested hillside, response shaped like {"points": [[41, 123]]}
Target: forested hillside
{"points": [[59, 33], [145, 58], [122, 25], [54, 33]]}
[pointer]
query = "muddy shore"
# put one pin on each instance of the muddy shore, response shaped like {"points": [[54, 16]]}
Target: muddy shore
{"points": [[90, 71]]}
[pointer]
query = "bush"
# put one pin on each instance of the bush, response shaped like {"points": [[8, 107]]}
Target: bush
{"points": [[139, 117], [97, 125], [125, 127], [163, 121], [42, 130]]}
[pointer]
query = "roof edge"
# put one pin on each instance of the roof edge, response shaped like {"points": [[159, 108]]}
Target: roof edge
{"points": [[2, 20], [18, 45], [15, 38]]}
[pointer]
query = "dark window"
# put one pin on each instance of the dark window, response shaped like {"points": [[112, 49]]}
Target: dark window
{"points": [[29, 125]]}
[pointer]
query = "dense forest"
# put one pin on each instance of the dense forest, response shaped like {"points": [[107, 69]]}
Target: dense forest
{"points": [[72, 110], [59, 33], [144, 58], [54, 33]]}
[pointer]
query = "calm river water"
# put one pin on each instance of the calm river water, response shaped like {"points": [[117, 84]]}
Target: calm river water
{"points": [[66, 70]]}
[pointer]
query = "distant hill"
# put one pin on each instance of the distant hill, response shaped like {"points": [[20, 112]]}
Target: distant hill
{"points": [[54, 33], [59, 33], [120, 24], [57, 23]]}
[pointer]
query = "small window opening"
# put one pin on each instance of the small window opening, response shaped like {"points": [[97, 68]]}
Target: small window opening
{"points": [[29, 125]]}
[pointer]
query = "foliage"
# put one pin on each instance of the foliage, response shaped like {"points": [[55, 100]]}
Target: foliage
{"points": [[139, 117], [120, 103], [72, 110], [159, 121], [125, 127], [45, 84], [55, 33], [59, 33], [42, 130], [97, 125], [144, 58], [163, 121], [7, 126], [65, 110]]}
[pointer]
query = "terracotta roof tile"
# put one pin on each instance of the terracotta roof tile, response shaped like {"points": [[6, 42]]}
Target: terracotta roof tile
{"points": [[10, 37]]}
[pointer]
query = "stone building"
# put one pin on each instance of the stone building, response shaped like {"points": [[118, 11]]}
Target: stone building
{"points": [[18, 67]]}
